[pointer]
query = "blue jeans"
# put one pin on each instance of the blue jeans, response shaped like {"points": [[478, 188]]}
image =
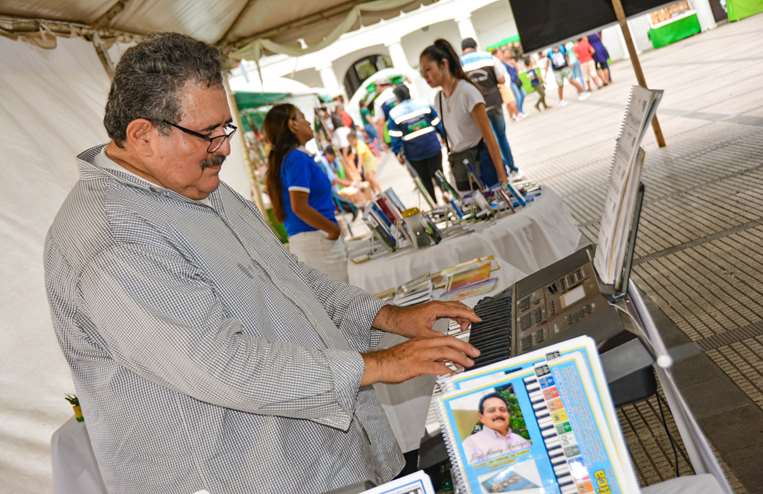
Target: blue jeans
{"points": [[519, 95], [577, 73], [371, 131], [499, 129]]}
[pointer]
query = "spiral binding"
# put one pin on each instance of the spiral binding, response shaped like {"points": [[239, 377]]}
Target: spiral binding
{"points": [[621, 130]]}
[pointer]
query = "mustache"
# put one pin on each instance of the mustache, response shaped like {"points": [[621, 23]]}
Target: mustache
{"points": [[215, 160]]}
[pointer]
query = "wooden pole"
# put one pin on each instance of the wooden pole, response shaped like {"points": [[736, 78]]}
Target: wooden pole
{"points": [[636, 63], [103, 56], [252, 174]]}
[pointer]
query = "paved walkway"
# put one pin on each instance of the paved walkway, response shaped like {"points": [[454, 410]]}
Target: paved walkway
{"points": [[700, 246]]}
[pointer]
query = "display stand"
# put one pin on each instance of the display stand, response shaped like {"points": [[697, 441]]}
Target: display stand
{"points": [[700, 452]]}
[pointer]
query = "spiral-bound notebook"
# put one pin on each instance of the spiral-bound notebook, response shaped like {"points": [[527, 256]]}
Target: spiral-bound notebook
{"points": [[624, 179], [537, 423]]}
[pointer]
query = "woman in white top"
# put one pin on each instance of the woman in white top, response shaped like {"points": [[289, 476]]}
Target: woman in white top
{"points": [[468, 134]]}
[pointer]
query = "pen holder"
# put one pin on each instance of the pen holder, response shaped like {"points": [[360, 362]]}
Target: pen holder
{"points": [[417, 228]]}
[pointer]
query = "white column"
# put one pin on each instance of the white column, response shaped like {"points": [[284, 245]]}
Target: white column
{"points": [[704, 13], [398, 56], [329, 80], [634, 30], [613, 40], [623, 45], [466, 28]]}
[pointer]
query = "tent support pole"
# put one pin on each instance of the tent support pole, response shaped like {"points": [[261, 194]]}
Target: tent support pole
{"points": [[103, 56], [636, 63], [252, 175]]}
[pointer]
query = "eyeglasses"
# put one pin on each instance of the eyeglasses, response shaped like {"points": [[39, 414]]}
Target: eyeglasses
{"points": [[214, 141]]}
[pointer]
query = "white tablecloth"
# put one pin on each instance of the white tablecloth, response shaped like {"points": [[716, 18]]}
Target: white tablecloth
{"points": [[522, 243], [74, 466]]}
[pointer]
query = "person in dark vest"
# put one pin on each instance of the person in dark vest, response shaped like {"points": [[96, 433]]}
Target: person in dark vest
{"points": [[487, 72], [413, 129]]}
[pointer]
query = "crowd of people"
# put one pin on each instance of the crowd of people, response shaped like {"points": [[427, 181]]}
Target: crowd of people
{"points": [[339, 174], [582, 63]]}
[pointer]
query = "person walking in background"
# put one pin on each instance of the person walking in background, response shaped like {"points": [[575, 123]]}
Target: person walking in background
{"points": [[383, 103], [461, 106], [364, 160], [366, 119], [333, 168], [335, 173], [560, 64], [510, 64], [413, 129], [577, 71], [537, 83], [600, 58], [340, 117], [506, 95], [584, 52], [486, 72], [301, 194]]}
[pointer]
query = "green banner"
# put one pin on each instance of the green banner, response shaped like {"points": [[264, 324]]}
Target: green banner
{"points": [[503, 42], [739, 9], [249, 101]]}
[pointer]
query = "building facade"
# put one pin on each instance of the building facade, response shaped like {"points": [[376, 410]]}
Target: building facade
{"points": [[398, 42]]}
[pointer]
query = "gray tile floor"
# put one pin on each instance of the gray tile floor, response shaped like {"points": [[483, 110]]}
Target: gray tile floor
{"points": [[700, 247]]}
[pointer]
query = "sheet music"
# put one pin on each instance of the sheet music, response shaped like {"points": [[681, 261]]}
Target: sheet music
{"points": [[623, 184]]}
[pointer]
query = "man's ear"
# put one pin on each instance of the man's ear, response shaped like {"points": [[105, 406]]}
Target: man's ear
{"points": [[141, 134]]}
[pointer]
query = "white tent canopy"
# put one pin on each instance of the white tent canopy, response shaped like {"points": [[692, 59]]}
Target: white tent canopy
{"points": [[243, 28]]}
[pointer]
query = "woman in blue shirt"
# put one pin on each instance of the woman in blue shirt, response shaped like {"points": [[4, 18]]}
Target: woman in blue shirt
{"points": [[300, 193]]}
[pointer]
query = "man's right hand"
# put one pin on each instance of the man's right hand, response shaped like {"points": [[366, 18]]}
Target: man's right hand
{"points": [[417, 357]]}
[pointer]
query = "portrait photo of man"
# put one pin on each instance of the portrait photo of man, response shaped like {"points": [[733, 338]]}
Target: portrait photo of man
{"points": [[496, 435]]}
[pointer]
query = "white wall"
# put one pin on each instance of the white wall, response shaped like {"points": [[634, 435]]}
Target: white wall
{"points": [[50, 110], [494, 22], [639, 27], [615, 43], [414, 42]]}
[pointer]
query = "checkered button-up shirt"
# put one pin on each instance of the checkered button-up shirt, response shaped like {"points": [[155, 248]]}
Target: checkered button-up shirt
{"points": [[204, 355]]}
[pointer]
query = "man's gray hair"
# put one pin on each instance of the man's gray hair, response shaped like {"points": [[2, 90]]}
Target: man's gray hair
{"points": [[149, 76]]}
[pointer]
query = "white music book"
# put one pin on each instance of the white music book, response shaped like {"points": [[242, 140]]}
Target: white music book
{"points": [[624, 179]]}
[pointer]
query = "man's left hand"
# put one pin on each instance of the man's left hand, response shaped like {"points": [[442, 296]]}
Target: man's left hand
{"points": [[416, 321]]}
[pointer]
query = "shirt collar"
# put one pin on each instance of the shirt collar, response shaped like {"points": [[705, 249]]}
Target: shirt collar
{"points": [[497, 434], [94, 163]]}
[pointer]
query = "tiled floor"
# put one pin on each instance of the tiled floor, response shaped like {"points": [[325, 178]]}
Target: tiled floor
{"points": [[700, 246]]}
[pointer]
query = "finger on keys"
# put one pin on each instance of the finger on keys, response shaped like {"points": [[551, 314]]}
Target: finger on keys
{"points": [[458, 310]]}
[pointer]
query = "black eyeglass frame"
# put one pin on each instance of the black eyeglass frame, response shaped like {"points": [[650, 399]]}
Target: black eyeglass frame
{"points": [[215, 142]]}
